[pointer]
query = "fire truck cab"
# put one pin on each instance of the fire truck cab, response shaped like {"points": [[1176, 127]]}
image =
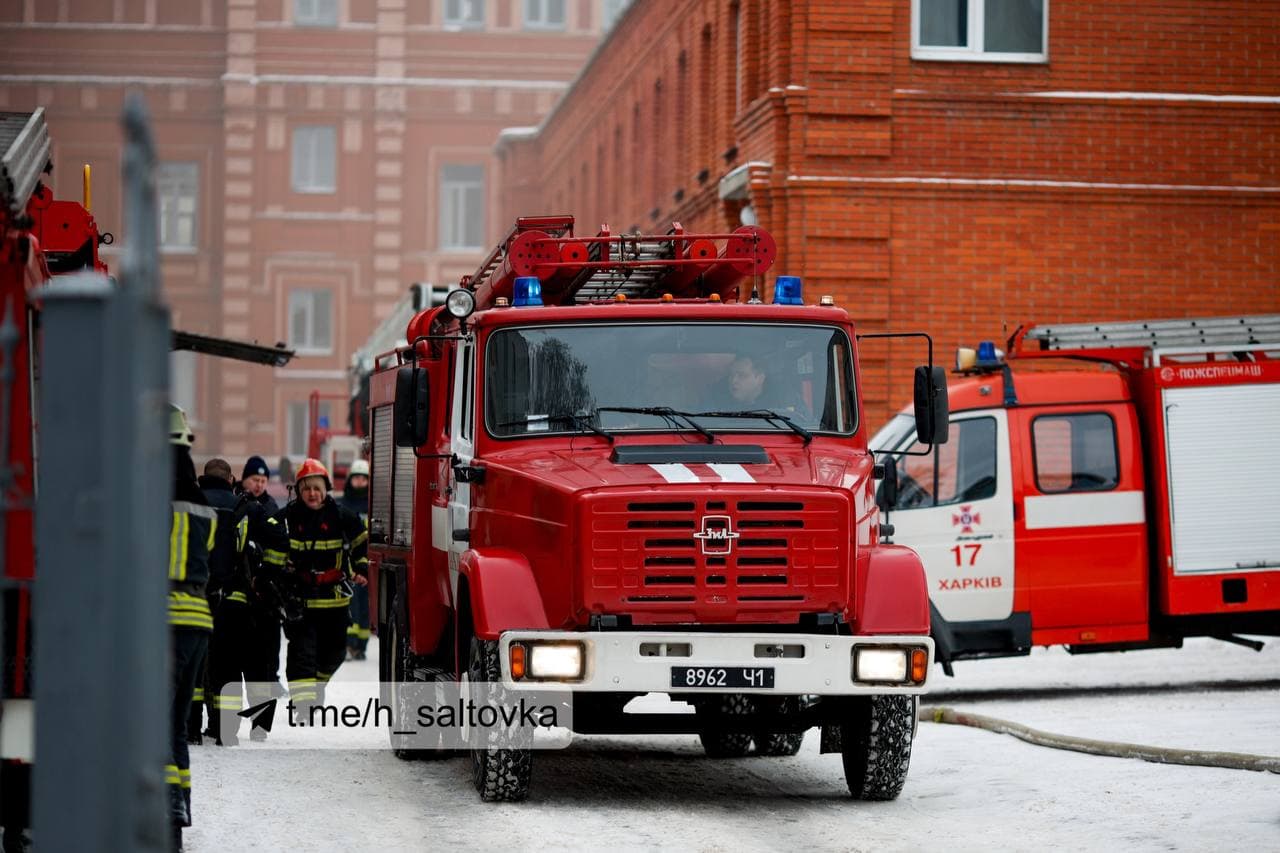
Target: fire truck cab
{"points": [[595, 467], [1126, 506]]}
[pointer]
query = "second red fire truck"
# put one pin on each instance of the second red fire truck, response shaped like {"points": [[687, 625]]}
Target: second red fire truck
{"points": [[1129, 505], [601, 466]]}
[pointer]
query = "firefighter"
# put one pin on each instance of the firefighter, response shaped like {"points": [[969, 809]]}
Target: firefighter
{"points": [[321, 547], [192, 529], [355, 497], [216, 484]]}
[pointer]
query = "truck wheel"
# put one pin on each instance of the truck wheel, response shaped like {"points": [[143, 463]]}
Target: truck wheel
{"points": [[499, 774], [394, 643], [876, 745], [717, 742], [780, 743]]}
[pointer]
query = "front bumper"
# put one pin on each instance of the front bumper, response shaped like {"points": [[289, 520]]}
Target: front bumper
{"points": [[641, 662]]}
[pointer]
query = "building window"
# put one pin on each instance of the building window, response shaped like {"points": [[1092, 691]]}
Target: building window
{"points": [[311, 320], [299, 427], [980, 30], [315, 13], [611, 11], [461, 207], [464, 14], [315, 154], [177, 187], [544, 14]]}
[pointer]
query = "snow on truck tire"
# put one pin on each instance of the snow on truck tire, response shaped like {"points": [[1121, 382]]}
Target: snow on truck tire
{"points": [[500, 774], [876, 746]]}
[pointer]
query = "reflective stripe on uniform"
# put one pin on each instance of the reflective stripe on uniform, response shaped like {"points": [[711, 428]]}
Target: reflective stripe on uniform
{"points": [[318, 545], [189, 611], [171, 776], [238, 597], [178, 533], [184, 775]]}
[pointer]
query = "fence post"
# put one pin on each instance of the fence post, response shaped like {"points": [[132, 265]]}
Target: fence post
{"points": [[102, 639]]}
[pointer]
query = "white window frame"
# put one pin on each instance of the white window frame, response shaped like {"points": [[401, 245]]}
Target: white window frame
{"points": [[306, 152], [451, 232], [974, 51], [173, 181], [315, 13], [463, 21], [306, 298], [537, 15]]}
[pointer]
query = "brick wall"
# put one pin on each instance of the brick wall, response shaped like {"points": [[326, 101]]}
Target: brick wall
{"points": [[1133, 174]]}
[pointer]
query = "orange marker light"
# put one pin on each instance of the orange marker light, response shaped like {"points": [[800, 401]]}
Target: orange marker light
{"points": [[517, 661], [620, 297], [919, 665], [667, 297], [715, 297]]}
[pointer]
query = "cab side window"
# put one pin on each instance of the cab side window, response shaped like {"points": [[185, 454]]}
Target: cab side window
{"points": [[962, 470], [1075, 453]]}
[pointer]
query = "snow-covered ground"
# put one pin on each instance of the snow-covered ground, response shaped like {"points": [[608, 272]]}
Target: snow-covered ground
{"points": [[968, 789]]}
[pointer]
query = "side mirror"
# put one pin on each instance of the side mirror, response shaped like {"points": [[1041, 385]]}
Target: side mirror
{"points": [[887, 496], [412, 406], [932, 412]]}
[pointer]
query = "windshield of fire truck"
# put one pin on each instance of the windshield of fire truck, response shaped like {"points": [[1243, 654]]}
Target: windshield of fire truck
{"points": [[565, 379]]}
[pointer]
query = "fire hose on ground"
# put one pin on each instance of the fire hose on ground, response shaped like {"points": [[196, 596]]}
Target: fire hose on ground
{"points": [[1157, 754]]}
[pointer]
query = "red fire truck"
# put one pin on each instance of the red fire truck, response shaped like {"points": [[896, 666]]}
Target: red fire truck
{"points": [[336, 448], [1126, 506], [596, 467], [40, 238]]}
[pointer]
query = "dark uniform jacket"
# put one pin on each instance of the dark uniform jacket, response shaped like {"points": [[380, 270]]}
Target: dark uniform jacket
{"points": [[321, 548], [191, 533]]}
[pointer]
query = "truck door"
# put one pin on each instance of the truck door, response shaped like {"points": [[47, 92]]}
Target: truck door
{"points": [[462, 445], [955, 509], [1081, 536]]}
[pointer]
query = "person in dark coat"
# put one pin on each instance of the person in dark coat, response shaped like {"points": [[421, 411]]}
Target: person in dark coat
{"points": [[193, 526], [355, 497]]}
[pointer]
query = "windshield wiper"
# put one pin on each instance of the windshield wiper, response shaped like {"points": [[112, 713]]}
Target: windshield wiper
{"points": [[582, 422], [763, 414], [666, 412]]}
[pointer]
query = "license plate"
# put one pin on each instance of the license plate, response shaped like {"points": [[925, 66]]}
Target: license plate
{"points": [[695, 677]]}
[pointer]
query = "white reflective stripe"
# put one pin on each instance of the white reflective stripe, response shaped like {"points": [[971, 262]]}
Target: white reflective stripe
{"points": [[195, 509], [731, 472], [676, 473], [1085, 509], [441, 535]]}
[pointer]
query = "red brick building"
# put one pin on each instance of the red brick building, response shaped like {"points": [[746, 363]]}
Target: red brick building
{"points": [[957, 168], [317, 156]]}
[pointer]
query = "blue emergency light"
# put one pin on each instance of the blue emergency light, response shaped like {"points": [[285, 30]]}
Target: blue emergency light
{"points": [[528, 291], [987, 356], [787, 290]]}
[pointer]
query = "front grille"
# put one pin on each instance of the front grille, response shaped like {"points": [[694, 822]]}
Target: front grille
{"points": [[646, 556]]}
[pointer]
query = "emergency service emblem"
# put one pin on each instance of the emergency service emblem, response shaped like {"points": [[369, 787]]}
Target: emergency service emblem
{"points": [[717, 534], [966, 519]]}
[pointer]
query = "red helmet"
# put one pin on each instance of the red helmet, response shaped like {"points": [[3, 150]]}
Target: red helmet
{"points": [[313, 468]]}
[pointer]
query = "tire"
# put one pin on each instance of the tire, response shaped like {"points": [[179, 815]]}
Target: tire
{"points": [[876, 745], [717, 742], [500, 774], [400, 668], [776, 744]]}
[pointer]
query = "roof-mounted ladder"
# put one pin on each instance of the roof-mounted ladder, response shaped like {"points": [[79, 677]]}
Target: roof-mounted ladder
{"points": [[24, 154], [1211, 333]]}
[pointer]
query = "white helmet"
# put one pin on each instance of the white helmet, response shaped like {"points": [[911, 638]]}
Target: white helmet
{"points": [[179, 430], [360, 466]]}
